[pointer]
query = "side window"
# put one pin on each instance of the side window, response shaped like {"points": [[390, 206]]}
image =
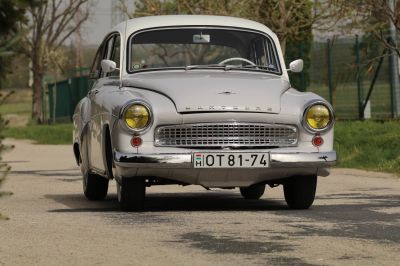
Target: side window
{"points": [[115, 54], [95, 71], [109, 49], [107, 52], [110, 42]]}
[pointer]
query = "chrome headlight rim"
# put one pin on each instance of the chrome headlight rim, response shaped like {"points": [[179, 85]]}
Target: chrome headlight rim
{"points": [[126, 107], [305, 124]]}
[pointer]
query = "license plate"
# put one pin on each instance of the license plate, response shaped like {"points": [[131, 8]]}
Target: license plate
{"points": [[230, 160]]}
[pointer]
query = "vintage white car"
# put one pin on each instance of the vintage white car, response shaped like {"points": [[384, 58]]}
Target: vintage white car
{"points": [[201, 100]]}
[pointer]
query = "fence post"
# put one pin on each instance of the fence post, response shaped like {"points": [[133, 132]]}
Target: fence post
{"points": [[392, 86], [329, 59], [393, 63], [394, 82], [44, 84], [359, 81], [54, 102]]}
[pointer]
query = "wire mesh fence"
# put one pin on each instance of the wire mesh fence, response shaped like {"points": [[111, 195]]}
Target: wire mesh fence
{"points": [[343, 70]]}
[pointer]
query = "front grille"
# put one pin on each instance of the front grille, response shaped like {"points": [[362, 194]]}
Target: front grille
{"points": [[226, 135]]}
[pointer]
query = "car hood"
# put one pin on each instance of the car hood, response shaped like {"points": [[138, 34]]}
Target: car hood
{"points": [[211, 91]]}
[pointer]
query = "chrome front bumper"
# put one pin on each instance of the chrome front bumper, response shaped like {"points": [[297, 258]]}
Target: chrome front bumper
{"points": [[185, 161]]}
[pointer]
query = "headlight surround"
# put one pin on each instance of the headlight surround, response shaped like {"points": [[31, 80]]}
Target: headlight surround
{"points": [[137, 116], [318, 117]]}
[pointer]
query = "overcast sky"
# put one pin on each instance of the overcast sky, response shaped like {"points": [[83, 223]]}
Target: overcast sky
{"points": [[101, 22]]}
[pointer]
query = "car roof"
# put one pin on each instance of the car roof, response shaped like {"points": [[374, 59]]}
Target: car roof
{"points": [[142, 23]]}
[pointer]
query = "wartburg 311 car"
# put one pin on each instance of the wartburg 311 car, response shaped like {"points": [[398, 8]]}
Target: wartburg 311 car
{"points": [[202, 100]]}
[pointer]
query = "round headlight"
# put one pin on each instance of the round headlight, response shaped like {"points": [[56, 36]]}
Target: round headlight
{"points": [[137, 116], [318, 117]]}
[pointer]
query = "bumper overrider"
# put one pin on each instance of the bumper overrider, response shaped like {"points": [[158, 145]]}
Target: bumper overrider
{"points": [[185, 160]]}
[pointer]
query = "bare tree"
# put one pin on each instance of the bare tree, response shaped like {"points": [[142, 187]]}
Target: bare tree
{"points": [[370, 16], [52, 23], [171, 7], [286, 18], [78, 44]]}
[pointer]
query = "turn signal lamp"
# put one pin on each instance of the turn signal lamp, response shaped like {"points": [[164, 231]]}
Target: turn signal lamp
{"points": [[136, 141], [317, 141]]}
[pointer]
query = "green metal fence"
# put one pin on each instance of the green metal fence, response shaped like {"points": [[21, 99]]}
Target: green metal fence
{"points": [[342, 71], [63, 97]]}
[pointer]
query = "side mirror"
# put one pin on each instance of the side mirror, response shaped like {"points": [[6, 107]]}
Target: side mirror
{"points": [[296, 66], [108, 66]]}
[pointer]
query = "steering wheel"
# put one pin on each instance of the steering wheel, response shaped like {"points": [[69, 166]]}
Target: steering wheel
{"points": [[236, 59]]}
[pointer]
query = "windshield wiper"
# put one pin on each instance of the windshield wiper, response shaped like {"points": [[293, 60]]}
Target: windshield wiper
{"points": [[190, 67], [229, 67], [256, 67]]}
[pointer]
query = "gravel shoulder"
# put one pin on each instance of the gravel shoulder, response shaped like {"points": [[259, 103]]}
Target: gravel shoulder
{"points": [[355, 220]]}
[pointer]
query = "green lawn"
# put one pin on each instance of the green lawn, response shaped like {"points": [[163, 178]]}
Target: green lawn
{"points": [[369, 145], [42, 134], [16, 108]]}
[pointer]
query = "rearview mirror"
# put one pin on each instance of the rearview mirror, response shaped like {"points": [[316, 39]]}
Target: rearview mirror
{"points": [[201, 38], [296, 66], [108, 66]]}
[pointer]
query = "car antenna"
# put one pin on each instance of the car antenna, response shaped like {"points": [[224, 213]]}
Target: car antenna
{"points": [[123, 54]]}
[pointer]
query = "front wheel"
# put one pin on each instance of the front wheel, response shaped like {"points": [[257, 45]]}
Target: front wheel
{"points": [[131, 193], [95, 187], [300, 191], [253, 192]]}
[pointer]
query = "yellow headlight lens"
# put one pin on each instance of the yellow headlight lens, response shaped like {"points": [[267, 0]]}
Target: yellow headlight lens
{"points": [[137, 116], [318, 116]]}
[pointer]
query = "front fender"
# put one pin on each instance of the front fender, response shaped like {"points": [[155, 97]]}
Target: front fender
{"points": [[80, 118], [163, 110]]}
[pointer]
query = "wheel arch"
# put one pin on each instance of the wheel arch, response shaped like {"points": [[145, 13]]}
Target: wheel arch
{"points": [[77, 153], [107, 150]]}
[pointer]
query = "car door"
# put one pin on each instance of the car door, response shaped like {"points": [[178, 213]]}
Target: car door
{"points": [[97, 101]]}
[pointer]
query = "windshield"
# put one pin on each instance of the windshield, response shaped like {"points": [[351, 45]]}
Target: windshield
{"points": [[192, 48]]}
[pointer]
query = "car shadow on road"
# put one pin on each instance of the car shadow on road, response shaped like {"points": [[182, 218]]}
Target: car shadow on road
{"points": [[363, 215], [172, 202], [69, 173]]}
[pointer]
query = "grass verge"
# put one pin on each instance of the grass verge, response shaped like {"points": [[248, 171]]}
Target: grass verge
{"points": [[42, 134], [369, 145]]}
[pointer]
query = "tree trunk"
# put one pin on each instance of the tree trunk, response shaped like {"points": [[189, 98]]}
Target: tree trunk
{"points": [[283, 45], [37, 112]]}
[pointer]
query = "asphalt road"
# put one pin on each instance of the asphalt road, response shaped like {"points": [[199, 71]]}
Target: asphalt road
{"points": [[355, 220]]}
